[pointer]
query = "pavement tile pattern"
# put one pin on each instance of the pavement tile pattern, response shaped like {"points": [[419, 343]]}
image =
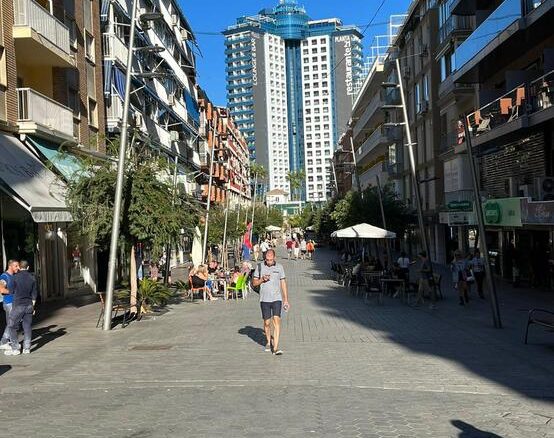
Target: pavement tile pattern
{"points": [[351, 368]]}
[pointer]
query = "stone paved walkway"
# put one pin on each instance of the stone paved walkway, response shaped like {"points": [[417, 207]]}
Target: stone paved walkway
{"points": [[350, 369]]}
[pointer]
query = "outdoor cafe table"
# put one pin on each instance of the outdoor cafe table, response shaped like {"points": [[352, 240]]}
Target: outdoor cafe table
{"points": [[395, 281]]}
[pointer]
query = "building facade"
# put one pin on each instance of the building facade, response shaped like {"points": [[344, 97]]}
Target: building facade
{"points": [[508, 59], [290, 83], [51, 108]]}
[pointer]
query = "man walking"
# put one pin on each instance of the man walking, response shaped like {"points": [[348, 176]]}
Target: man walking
{"points": [[270, 276], [24, 298], [264, 247], [6, 286]]}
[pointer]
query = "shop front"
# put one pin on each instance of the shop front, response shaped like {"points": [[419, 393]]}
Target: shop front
{"points": [[33, 216]]}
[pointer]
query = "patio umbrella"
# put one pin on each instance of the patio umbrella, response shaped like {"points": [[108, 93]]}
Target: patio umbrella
{"points": [[272, 228], [363, 231], [196, 253]]}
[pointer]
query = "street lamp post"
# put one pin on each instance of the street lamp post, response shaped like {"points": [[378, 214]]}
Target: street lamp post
{"points": [[210, 180], [116, 220], [415, 179]]}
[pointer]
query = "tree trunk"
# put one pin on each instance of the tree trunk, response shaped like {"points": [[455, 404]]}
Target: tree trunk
{"points": [[133, 280]]}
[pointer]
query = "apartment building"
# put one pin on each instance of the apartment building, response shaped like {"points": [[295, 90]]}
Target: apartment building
{"points": [[291, 82], [509, 59], [230, 169], [51, 107], [164, 110]]}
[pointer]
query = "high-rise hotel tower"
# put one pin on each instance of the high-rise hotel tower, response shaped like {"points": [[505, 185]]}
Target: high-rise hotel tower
{"points": [[290, 87]]}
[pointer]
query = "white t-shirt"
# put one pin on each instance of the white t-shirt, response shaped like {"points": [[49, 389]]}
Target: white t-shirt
{"points": [[264, 246], [403, 262]]}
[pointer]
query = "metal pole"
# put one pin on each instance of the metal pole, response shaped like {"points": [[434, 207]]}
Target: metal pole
{"points": [[168, 247], [205, 246], [253, 206], [358, 183], [116, 220], [335, 177], [387, 243], [224, 246], [415, 179], [482, 240]]}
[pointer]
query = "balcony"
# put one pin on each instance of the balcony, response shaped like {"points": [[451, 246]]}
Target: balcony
{"points": [[43, 116], [382, 136], [526, 105], [115, 49], [456, 25], [40, 38], [114, 112]]}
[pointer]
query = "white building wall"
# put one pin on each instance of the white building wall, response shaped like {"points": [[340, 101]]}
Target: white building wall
{"points": [[318, 115], [277, 120]]}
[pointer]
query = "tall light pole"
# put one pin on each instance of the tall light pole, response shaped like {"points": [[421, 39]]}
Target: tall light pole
{"points": [[224, 246], [210, 180], [482, 239], [116, 220], [253, 205], [415, 180]]}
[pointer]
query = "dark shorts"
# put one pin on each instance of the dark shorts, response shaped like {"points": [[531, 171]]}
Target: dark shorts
{"points": [[271, 309]]}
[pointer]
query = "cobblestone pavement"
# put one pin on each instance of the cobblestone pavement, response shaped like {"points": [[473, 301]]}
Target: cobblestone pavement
{"points": [[351, 369]]}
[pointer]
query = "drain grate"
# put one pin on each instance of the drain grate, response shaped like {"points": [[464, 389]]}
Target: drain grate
{"points": [[150, 347]]}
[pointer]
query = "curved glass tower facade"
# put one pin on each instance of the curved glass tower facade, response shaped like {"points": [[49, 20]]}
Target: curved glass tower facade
{"points": [[289, 83]]}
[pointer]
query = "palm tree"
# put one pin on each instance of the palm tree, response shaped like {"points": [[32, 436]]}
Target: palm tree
{"points": [[296, 180]]}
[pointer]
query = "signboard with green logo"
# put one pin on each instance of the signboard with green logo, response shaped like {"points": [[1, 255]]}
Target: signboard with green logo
{"points": [[460, 206], [505, 212]]}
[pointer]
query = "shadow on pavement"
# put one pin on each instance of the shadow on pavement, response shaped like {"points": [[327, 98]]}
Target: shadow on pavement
{"points": [[4, 369], [44, 335], [463, 335], [255, 333], [469, 431]]}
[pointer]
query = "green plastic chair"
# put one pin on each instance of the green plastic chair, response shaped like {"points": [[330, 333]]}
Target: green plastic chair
{"points": [[240, 286]]}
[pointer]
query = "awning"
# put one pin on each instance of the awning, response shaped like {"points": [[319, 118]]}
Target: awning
{"points": [[363, 231], [65, 163], [272, 228], [30, 183]]}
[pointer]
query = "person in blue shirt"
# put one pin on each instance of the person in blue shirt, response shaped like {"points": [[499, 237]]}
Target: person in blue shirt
{"points": [[6, 283]]}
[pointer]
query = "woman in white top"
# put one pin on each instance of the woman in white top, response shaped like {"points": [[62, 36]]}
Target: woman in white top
{"points": [[404, 266]]}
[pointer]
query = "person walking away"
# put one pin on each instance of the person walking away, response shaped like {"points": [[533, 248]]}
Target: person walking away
{"points": [[256, 250], [24, 299], [310, 246], [296, 250], [289, 245], [264, 246], [478, 268], [270, 277], [459, 276], [6, 286], [303, 248], [404, 268], [425, 277]]}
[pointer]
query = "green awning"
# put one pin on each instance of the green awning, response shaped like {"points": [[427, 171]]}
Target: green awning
{"points": [[68, 165]]}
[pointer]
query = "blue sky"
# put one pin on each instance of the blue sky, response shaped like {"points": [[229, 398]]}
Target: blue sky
{"points": [[212, 16]]}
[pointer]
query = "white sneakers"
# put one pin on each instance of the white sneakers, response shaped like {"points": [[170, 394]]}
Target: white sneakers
{"points": [[5, 346], [12, 352]]}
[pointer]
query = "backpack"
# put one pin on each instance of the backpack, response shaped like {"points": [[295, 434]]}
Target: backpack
{"points": [[256, 288]]}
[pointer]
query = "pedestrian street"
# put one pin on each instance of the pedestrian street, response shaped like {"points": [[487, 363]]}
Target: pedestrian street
{"points": [[350, 368]]}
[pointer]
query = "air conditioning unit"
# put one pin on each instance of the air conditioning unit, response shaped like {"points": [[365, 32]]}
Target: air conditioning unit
{"points": [[137, 119], [185, 35], [545, 188], [171, 99], [174, 19], [174, 135]]}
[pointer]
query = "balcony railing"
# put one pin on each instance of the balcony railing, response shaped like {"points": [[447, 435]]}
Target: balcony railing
{"points": [[43, 111], [507, 13], [115, 110], [30, 14], [524, 100], [115, 48], [456, 23]]}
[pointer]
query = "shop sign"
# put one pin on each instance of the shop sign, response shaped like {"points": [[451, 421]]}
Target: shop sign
{"points": [[460, 205], [457, 218], [504, 212], [537, 212]]}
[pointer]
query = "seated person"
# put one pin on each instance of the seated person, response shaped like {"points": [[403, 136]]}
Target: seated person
{"points": [[199, 279], [213, 267], [235, 276]]}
